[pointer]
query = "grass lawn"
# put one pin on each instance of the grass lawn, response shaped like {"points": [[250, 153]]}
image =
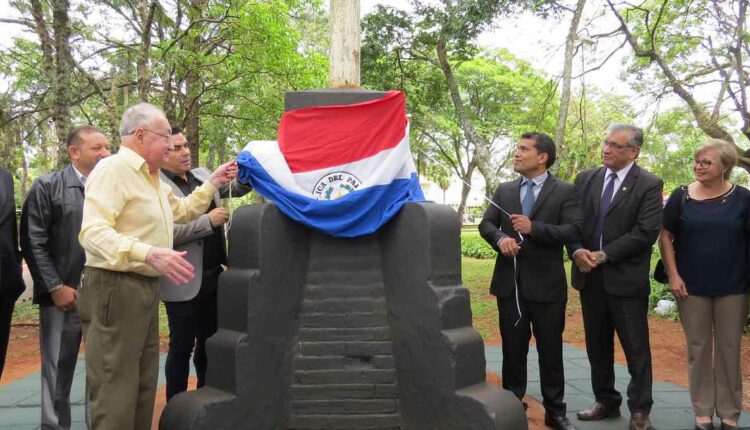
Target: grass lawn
{"points": [[476, 277]]}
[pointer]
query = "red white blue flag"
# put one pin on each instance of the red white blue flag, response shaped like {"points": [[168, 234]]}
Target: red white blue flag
{"points": [[344, 170]]}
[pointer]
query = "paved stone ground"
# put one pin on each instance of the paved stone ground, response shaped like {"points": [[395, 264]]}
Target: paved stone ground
{"points": [[671, 410], [19, 400]]}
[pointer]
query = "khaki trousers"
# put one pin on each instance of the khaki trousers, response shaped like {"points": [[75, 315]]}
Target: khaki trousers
{"points": [[713, 330], [119, 317]]}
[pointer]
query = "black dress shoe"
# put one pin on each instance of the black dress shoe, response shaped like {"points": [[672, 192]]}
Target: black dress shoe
{"points": [[640, 421], [704, 426], [598, 411], [725, 426], [558, 422]]}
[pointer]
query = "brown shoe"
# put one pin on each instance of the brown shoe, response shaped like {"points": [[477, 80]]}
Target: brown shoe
{"points": [[640, 421], [598, 411]]}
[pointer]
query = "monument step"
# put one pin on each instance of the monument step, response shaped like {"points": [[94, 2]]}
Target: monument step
{"points": [[337, 362], [318, 348], [343, 305], [328, 290], [336, 334], [345, 406], [345, 391], [354, 376], [350, 422], [347, 319], [371, 275], [347, 259]]}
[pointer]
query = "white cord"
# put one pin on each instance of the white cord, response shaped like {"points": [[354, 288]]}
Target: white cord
{"points": [[229, 222], [520, 236]]}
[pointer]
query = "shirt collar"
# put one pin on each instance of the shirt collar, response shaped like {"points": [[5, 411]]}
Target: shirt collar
{"points": [[621, 174], [132, 158], [537, 180], [79, 175], [175, 177]]}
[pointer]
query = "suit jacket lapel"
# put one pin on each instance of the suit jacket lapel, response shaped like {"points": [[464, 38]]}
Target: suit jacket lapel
{"points": [[626, 187], [549, 184], [514, 199], [175, 189]]}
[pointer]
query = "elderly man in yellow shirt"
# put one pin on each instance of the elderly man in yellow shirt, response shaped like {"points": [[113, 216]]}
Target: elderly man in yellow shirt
{"points": [[127, 228]]}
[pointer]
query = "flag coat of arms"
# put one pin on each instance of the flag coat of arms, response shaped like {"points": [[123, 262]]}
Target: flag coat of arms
{"points": [[344, 170]]}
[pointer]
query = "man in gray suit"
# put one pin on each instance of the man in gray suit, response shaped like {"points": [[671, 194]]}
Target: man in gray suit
{"points": [[191, 308], [50, 223]]}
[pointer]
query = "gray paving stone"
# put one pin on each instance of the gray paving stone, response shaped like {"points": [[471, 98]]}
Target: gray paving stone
{"points": [[577, 362], [620, 423], [19, 427], [12, 398], [34, 400], [19, 401], [17, 416]]}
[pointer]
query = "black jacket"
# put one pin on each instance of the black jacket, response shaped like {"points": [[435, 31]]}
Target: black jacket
{"points": [[50, 223], [631, 227], [11, 279], [555, 221]]}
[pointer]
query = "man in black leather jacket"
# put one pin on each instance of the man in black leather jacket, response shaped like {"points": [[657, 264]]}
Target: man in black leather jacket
{"points": [[11, 281], [50, 223]]}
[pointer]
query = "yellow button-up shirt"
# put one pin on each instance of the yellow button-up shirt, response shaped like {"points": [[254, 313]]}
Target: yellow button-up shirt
{"points": [[128, 210]]}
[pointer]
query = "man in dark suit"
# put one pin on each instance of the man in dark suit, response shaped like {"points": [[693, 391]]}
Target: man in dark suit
{"points": [[11, 279], [529, 278], [623, 205]]}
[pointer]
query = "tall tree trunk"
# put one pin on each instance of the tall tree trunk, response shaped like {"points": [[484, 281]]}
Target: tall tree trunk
{"points": [[25, 175], [562, 116], [482, 150], [211, 159], [146, 10], [193, 83], [57, 65], [192, 115], [63, 71], [465, 189]]}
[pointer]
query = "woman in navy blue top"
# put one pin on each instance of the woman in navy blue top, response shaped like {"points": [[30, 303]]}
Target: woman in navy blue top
{"points": [[704, 246]]}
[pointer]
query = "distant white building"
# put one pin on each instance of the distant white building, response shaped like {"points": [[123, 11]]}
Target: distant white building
{"points": [[452, 196]]}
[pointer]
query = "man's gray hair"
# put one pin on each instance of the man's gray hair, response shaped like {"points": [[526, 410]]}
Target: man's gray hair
{"points": [[636, 134], [140, 115]]}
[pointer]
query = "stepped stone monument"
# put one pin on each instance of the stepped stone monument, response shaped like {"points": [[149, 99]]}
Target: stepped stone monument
{"points": [[317, 332]]}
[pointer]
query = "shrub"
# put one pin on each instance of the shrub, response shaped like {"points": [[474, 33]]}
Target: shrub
{"points": [[472, 245]]}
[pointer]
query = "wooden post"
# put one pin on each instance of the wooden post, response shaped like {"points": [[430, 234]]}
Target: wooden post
{"points": [[343, 70]]}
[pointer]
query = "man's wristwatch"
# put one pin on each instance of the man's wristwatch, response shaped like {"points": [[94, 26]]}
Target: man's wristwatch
{"points": [[601, 257]]}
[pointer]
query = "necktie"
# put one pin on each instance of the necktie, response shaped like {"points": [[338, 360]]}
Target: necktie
{"points": [[603, 208], [528, 200]]}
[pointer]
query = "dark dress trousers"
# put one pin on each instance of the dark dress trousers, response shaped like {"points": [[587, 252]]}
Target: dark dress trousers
{"points": [[50, 223], [614, 296], [11, 279], [555, 222]]}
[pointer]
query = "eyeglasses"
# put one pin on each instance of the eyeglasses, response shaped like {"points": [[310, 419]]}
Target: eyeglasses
{"points": [[167, 136], [615, 145], [703, 163]]}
